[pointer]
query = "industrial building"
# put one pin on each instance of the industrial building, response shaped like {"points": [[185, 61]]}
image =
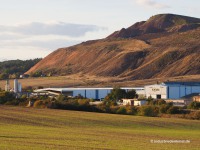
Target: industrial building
{"points": [[92, 93], [167, 90], [171, 90]]}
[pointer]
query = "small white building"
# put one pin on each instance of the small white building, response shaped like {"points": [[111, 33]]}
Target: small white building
{"points": [[128, 102], [133, 102], [139, 102]]}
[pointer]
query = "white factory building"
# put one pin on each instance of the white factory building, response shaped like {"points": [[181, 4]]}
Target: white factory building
{"points": [[171, 90]]}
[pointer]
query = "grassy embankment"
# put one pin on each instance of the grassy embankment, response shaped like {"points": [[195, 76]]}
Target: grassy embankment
{"points": [[27, 128]]}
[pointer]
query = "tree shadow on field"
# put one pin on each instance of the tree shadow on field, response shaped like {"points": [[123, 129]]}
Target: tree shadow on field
{"points": [[6, 136]]}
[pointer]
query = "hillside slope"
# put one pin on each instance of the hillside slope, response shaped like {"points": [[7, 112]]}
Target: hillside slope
{"points": [[168, 53], [162, 23]]}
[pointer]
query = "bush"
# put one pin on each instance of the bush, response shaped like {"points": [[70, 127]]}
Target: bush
{"points": [[39, 104], [84, 105], [160, 102], [151, 111], [193, 115], [151, 102], [84, 102], [121, 110], [163, 108], [155, 102], [113, 109], [131, 110], [24, 96], [194, 105], [23, 102], [5, 97], [109, 103], [173, 110], [103, 108], [60, 98], [12, 102]]}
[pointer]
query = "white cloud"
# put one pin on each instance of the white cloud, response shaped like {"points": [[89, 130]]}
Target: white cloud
{"points": [[152, 4], [33, 46], [58, 28], [32, 40], [47, 44]]}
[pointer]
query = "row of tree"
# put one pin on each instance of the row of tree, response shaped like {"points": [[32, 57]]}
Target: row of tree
{"points": [[14, 68], [118, 93]]}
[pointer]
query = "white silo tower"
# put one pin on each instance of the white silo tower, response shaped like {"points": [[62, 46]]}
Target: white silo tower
{"points": [[19, 87], [15, 85], [7, 86]]}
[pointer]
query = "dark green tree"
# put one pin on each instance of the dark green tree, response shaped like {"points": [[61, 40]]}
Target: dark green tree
{"points": [[14, 68], [116, 94], [6, 96], [4, 76], [131, 94]]}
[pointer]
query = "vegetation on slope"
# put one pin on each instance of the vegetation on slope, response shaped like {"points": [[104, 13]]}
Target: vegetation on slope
{"points": [[14, 68]]}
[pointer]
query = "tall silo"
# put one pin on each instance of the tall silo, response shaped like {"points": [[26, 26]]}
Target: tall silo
{"points": [[7, 86], [19, 87], [15, 85]]}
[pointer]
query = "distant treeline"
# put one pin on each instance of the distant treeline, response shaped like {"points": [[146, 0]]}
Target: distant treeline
{"points": [[14, 68]]}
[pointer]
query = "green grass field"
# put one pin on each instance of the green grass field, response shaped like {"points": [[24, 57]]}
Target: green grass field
{"points": [[28, 128]]}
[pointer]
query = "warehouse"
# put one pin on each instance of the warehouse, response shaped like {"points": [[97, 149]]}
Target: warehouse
{"points": [[92, 93], [172, 90], [166, 90]]}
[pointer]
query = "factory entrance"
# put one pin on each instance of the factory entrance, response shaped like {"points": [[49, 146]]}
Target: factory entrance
{"points": [[158, 96]]}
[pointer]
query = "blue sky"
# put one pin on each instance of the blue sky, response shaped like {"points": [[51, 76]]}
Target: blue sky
{"points": [[35, 28]]}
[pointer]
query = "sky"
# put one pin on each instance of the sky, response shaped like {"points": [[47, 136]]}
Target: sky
{"points": [[35, 28]]}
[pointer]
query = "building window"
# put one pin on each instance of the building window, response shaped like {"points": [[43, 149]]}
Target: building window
{"points": [[158, 96]]}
